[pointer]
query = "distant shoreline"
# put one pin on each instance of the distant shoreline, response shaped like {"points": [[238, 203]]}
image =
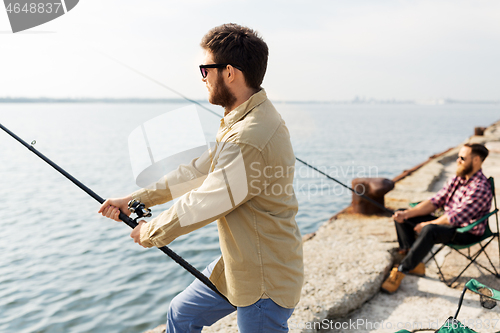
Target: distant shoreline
{"points": [[355, 101]]}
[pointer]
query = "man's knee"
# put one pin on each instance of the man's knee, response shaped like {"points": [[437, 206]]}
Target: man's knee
{"points": [[175, 308], [430, 231], [180, 318], [180, 311]]}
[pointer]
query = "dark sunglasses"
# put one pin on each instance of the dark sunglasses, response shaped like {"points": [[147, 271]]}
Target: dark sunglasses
{"points": [[204, 72]]}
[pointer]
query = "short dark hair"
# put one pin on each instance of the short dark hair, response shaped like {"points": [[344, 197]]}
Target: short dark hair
{"points": [[239, 46], [478, 150]]}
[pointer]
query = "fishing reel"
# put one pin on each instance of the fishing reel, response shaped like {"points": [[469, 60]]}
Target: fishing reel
{"points": [[137, 207]]}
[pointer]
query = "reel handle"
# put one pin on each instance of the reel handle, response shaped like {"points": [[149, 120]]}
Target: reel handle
{"points": [[137, 207]]}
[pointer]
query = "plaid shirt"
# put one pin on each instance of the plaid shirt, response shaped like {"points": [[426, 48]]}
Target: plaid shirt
{"points": [[465, 201]]}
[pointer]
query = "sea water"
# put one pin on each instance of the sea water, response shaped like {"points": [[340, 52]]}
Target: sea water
{"points": [[64, 268]]}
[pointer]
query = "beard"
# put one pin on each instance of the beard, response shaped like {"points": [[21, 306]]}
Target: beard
{"points": [[463, 170], [221, 95]]}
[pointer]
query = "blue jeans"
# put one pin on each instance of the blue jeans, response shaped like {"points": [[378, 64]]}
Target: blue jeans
{"points": [[199, 306]]}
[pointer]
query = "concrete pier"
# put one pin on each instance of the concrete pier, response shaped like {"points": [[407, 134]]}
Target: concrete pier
{"points": [[349, 256]]}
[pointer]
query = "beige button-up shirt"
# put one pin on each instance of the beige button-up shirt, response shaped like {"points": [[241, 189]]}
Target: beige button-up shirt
{"points": [[245, 183]]}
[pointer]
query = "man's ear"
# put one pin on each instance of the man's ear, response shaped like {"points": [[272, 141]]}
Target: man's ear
{"points": [[230, 76], [476, 159]]}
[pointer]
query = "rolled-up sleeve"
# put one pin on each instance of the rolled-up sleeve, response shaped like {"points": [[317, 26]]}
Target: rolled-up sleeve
{"points": [[472, 204]]}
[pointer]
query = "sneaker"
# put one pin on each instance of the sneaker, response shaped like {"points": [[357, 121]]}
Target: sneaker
{"points": [[419, 270], [393, 281]]}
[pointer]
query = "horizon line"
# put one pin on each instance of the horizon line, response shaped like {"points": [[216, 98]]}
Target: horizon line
{"points": [[356, 100]]}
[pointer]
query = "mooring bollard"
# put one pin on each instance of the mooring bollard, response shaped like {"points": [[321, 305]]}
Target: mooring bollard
{"points": [[374, 188], [479, 131]]}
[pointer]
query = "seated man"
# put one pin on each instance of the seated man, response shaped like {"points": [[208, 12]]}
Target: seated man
{"points": [[465, 198]]}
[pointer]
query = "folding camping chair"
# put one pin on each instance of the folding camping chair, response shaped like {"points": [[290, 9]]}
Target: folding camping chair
{"points": [[487, 237], [488, 298]]}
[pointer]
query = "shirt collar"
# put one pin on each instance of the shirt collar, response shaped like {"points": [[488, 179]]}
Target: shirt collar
{"points": [[237, 114], [478, 174]]}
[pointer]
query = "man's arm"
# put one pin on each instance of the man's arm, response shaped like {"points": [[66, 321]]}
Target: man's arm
{"points": [[176, 183], [442, 220], [477, 199], [424, 208], [238, 176]]}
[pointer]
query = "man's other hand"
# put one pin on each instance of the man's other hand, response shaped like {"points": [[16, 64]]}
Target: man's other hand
{"points": [[418, 228], [136, 233]]}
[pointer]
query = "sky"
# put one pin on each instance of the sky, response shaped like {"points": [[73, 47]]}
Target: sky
{"points": [[319, 50]]}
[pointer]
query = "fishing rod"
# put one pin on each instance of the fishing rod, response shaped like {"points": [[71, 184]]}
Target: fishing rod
{"points": [[129, 221], [373, 202]]}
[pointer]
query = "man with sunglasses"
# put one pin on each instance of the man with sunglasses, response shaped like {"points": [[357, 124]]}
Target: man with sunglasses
{"points": [[465, 198], [245, 183]]}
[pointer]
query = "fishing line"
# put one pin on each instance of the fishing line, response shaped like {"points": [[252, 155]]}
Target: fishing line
{"points": [[159, 83], [373, 202], [353, 190], [130, 222]]}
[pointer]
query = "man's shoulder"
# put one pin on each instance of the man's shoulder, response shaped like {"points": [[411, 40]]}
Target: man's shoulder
{"points": [[480, 181], [479, 176], [259, 126]]}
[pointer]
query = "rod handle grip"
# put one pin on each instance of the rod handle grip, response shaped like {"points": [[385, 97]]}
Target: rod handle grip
{"points": [[128, 221]]}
